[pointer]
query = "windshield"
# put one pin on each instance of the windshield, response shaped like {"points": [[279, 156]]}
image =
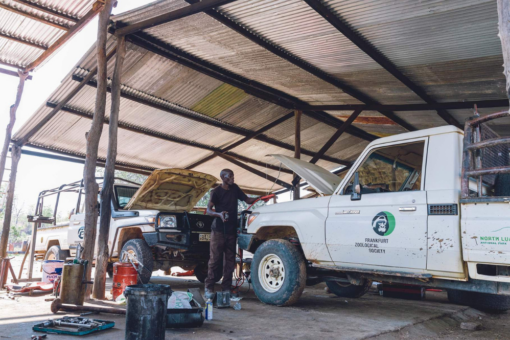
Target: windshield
{"points": [[124, 194]]}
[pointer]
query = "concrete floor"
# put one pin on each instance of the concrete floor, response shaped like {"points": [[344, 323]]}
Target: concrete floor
{"points": [[317, 314]]}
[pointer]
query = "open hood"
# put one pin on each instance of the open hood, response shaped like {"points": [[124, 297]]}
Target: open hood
{"points": [[175, 190], [319, 178]]}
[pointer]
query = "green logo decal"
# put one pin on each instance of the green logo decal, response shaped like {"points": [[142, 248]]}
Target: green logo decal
{"points": [[383, 223]]}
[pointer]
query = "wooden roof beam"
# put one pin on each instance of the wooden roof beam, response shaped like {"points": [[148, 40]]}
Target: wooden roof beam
{"points": [[415, 107], [286, 55], [163, 136], [34, 17], [377, 56], [187, 113], [96, 8], [171, 16], [251, 87]]}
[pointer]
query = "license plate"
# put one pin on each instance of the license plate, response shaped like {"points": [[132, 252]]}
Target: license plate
{"points": [[204, 237]]}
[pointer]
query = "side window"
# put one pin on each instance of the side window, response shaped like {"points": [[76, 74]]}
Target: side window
{"points": [[391, 169]]}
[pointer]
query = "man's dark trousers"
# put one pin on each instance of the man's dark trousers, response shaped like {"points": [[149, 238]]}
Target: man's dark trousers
{"points": [[221, 244]]}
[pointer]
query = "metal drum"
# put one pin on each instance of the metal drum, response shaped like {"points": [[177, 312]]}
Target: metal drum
{"points": [[124, 274], [72, 290]]}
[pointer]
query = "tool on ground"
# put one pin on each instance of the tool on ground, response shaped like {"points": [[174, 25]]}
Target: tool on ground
{"points": [[57, 305], [73, 326], [38, 337], [146, 311], [124, 274]]}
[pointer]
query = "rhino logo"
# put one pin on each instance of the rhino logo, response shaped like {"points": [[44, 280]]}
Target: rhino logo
{"points": [[81, 231], [383, 223]]}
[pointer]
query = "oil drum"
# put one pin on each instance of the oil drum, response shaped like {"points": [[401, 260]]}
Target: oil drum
{"points": [[124, 274]]}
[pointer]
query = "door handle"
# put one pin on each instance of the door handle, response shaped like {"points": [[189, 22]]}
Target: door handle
{"points": [[407, 209]]}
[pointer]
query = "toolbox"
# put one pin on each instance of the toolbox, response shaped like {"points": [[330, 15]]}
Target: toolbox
{"points": [[73, 326]]}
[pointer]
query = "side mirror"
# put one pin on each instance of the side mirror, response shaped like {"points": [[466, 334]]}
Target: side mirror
{"points": [[356, 188]]}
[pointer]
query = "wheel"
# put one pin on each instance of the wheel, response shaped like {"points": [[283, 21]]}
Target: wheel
{"points": [[55, 253], [278, 273], [348, 290], [140, 252], [201, 272], [483, 301]]}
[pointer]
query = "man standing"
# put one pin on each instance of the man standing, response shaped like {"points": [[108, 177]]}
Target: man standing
{"points": [[224, 231]]}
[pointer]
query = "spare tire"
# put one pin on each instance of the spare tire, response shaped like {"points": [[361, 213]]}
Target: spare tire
{"points": [[486, 302], [348, 290]]}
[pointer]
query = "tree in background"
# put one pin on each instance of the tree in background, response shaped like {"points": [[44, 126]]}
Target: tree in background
{"points": [[137, 178]]}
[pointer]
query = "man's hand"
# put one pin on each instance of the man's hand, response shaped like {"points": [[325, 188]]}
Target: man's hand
{"points": [[223, 215]]}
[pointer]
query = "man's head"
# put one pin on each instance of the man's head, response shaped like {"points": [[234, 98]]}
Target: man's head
{"points": [[227, 176]]}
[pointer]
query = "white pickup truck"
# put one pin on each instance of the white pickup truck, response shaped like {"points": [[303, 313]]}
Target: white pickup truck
{"points": [[428, 208], [153, 222]]}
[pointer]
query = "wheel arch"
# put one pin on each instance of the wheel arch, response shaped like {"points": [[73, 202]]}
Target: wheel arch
{"points": [[266, 233], [51, 243], [126, 234]]}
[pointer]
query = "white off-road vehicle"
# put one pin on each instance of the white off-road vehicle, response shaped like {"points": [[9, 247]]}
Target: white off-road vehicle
{"points": [[428, 208], [153, 222]]}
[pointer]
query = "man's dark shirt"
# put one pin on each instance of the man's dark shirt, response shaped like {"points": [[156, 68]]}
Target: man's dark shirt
{"points": [[226, 200]]}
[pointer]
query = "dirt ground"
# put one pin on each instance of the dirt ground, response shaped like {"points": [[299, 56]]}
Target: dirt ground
{"points": [[316, 315]]}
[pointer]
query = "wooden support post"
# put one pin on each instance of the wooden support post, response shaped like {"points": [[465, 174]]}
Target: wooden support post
{"points": [[8, 133], [15, 156], [93, 137], [504, 35], [109, 177], [297, 150]]}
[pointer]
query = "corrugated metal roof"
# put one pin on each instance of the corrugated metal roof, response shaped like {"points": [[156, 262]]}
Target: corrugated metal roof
{"points": [[16, 25], [415, 36]]}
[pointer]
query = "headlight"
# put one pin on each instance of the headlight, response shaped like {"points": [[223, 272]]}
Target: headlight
{"points": [[167, 222], [252, 218]]}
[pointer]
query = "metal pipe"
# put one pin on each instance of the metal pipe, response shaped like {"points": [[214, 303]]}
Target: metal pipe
{"points": [[57, 305]]}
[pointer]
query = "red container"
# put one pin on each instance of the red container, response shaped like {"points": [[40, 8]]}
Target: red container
{"points": [[124, 274]]}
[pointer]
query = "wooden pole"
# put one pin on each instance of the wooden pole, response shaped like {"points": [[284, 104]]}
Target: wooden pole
{"points": [[15, 156], [109, 176], [504, 35], [8, 133], [93, 137], [297, 150]]}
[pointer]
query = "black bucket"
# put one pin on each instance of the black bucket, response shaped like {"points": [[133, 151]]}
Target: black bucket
{"points": [[146, 311], [184, 318]]}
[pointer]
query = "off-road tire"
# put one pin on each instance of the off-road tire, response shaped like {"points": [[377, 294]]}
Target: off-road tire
{"points": [[295, 273], [348, 290], [486, 302], [143, 254], [201, 272], [55, 253]]}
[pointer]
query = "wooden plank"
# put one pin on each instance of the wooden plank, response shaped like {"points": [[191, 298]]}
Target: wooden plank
{"points": [[47, 10], [254, 171], [170, 16], [93, 137], [13, 73], [33, 17], [109, 176], [96, 8]]}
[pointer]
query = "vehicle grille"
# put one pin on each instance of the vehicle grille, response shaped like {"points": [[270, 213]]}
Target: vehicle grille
{"points": [[443, 209]]}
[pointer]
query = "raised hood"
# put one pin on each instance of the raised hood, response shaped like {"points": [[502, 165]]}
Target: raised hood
{"points": [[175, 190], [319, 178]]}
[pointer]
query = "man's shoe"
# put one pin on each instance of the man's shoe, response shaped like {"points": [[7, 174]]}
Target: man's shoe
{"points": [[209, 295]]}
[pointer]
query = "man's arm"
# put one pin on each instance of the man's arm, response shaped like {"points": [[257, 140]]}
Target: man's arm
{"points": [[213, 213], [242, 196], [251, 200]]}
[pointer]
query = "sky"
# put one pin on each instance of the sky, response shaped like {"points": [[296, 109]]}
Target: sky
{"points": [[36, 174]]}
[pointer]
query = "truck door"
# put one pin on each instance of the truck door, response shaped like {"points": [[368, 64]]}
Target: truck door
{"points": [[388, 225]]}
